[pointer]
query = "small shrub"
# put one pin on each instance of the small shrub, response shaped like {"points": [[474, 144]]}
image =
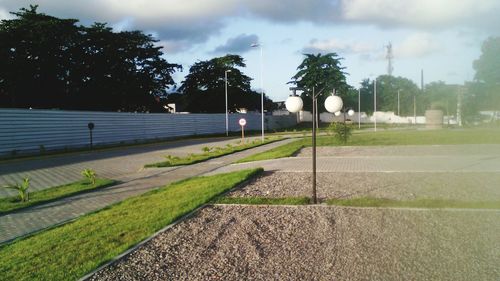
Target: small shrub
{"points": [[206, 149], [42, 149], [90, 175], [342, 131], [22, 189]]}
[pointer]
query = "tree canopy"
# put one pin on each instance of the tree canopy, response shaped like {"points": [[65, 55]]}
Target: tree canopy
{"points": [[387, 95], [488, 65], [203, 89], [47, 62], [323, 73]]}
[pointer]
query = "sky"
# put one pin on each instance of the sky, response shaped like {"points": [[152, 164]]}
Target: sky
{"points": [[440, 37]]}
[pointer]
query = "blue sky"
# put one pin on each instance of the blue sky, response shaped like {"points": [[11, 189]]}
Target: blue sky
{"points": [[443, 37]]}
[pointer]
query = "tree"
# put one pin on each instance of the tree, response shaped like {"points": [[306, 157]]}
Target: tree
{"points": [[488, 65], [323, 73], [486, 89], [204, 87], [387, 95], [46, 62]]}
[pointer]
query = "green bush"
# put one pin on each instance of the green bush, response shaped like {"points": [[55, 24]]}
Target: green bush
{"points": [[342, 131]]}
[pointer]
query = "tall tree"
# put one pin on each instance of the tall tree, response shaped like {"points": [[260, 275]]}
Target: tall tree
{"points": [[204, 87], [488, 65], [323, 73], [486, 89], [46, 62], [387, 95]]}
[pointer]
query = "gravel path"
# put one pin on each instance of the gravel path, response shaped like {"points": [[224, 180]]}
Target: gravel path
{"points": [[397, 186], [319, 243]]}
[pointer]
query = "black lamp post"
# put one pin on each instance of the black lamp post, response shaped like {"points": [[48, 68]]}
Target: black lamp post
{"points": [[294, 104]]}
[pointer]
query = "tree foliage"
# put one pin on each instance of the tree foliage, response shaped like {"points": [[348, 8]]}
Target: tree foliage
{"points": [[203, 89], [488, 65], [323, 73], [47, 62], [387, 95]]}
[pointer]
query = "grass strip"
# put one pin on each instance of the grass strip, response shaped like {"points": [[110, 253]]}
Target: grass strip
{"points": [[263, 200], [417, 203], [397, 137], [209, 153], [282, 151], [70, 251], [418, 137], [10, 204]]}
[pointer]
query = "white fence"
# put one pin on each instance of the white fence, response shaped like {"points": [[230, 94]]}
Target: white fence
{"points": [[25, 131]]}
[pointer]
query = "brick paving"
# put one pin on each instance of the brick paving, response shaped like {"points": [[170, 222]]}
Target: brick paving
{"points": [[124, 165]]}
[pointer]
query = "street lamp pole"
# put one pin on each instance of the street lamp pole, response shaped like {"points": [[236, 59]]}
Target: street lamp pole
{"points": [[294, 104], [227, 116], [261, 89], [375, 103], [398, 102], [359, 108]]}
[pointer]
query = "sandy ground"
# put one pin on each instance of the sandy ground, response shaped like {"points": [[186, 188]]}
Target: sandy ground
{"points": [[319, 243]]}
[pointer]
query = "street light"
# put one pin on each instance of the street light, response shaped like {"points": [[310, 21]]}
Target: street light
{"points": [[294, 104], [255, 45], [399, 90], [375, 103], [227, 117], [359, 108]]}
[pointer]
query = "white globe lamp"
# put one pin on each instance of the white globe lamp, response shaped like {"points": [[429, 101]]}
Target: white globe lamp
{"points": [[333, 104], [350, 112], [294, 104], [337, 113]]}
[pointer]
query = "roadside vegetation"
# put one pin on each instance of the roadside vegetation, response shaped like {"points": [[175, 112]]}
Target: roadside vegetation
{"points": [[10, 204], [209, 153], [70, 251], [417, 203]]}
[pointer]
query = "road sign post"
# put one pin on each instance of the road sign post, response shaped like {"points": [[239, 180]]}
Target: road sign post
{"points": [[242, 123]]}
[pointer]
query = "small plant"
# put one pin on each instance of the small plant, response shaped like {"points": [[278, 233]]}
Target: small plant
{"points": [[206, 149], [90, 175], [229, 145], [42, 149], [342, 131], [22, 189]]}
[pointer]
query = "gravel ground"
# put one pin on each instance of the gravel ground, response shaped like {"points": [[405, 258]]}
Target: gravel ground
{"points": [[397, 186], [319, 243]]}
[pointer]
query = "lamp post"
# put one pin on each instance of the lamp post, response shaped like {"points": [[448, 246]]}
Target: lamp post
{"points": [[227, 117], [399, 90], [294, 104], [375, 103], [359, 108], [255, 45]]}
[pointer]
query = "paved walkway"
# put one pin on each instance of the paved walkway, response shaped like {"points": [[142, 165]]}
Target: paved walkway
{"points": [[428, 159], [124, 165]]}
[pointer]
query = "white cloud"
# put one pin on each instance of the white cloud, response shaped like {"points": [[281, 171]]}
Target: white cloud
{"points": [[338, 46], [4, 15], [422, 13], [416, 46]]}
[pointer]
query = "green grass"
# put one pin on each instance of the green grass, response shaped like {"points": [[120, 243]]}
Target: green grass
{"points": [[70, 251], [417, 203], [213, 153], [10, 204], [263, 200], [286, 150], [396, 137]]}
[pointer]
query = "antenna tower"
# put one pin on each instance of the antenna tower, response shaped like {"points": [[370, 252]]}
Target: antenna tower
{"points": [[389, 56]]}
